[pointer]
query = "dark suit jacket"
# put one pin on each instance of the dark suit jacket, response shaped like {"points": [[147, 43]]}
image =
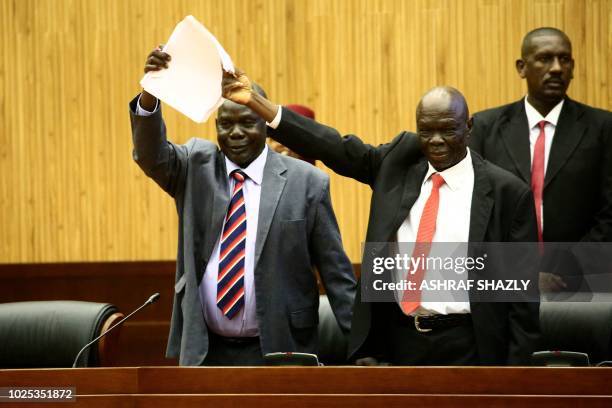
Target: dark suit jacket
{"points": [[502, 210], [297, 230], [578, 182]]}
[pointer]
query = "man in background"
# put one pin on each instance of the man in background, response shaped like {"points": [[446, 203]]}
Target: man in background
{"points": [[559, 147], [252, 225]]}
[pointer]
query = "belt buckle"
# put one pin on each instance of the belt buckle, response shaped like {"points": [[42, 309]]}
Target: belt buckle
{"points": [[417, 325]]}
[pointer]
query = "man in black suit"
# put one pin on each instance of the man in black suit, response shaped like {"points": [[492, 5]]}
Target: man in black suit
{"points": [[480, 202], [560, 147]]}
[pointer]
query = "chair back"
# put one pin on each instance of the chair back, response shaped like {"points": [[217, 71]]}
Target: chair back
{"points": [[51, 333], [578, 326]]}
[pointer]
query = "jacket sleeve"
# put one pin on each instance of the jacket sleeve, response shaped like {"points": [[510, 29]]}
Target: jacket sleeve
{"points": [[347, 156], [163, 161], [524, 317], [331, 261], [602, 230]]}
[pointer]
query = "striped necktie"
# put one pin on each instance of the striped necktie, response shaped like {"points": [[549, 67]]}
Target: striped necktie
{"points": [[411, 300], [230, 281]]}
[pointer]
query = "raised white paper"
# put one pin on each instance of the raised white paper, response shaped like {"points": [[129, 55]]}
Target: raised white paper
{"points": [[192, 82]]}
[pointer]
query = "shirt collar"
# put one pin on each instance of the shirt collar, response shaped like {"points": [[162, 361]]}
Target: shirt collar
{"points": [[254, 170], [534, 117], [455, 176]]}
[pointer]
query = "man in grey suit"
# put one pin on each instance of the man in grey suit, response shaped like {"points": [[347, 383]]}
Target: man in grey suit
{"points": [[252, 224]]}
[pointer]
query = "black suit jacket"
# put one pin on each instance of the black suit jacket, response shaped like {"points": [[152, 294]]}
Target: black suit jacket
{"points": [[502, 210], [578, 182]]}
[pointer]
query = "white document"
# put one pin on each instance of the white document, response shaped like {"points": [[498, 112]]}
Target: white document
{"points": [[192, 82]]}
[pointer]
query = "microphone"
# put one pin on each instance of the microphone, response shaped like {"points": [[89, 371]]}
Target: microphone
{"points": [[150, 300]]}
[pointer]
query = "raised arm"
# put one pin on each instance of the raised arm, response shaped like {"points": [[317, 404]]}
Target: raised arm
{"points": [[347, 155], [161, 160]]}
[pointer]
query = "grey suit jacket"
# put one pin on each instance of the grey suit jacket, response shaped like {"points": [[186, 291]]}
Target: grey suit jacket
{"points": [[297, 230]]}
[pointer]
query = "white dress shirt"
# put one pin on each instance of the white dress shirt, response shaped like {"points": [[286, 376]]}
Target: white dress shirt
{"points": [[533, 118], [140, 111], [244, 323], [452, 226]]}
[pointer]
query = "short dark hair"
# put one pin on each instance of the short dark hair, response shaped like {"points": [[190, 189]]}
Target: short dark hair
{"points": [[540, 32]]}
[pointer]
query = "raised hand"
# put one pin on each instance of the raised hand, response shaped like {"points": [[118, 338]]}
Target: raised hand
{"points": [[157, 60], [237, 87]]}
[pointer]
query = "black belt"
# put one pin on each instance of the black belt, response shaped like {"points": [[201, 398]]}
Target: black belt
{"points": [[234, 340], [435, 322]]}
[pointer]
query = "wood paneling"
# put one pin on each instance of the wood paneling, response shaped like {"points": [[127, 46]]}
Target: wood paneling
{"points": [[69, 190]]}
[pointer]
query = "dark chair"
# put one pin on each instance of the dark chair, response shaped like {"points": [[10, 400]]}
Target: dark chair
{"points": [[51, 333], [332, 342], [578, 326]]}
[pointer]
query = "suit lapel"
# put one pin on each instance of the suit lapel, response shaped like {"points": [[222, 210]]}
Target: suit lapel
{"points": [[272, 186], [413, 181], [482, 203], [221, 198], [215, 219], [515, 136], [568, 133]]}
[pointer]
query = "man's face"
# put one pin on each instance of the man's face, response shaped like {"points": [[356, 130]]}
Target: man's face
{"points": [[443, 131], [241, 134], [548, 68]]}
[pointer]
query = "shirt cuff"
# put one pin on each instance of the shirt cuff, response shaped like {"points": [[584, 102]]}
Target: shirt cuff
{"points": [[276, 121], [140, 111]]}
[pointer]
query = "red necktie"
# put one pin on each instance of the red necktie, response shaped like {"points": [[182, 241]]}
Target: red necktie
{"points": [[422, 246], [230, 281], [537, 175]]}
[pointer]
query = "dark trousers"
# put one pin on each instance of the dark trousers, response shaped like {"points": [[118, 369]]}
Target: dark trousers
{"points": [[404, 345], [223, 351]]}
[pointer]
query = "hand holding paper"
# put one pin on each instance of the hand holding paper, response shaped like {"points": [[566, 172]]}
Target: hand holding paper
{"points": [[156, 60], [191, 83]]}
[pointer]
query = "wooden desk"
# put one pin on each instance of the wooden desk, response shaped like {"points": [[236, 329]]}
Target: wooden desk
{"points": [[323, 386]]}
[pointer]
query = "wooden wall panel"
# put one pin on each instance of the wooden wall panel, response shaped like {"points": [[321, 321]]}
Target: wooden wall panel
{"points": [[69, 190]]}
